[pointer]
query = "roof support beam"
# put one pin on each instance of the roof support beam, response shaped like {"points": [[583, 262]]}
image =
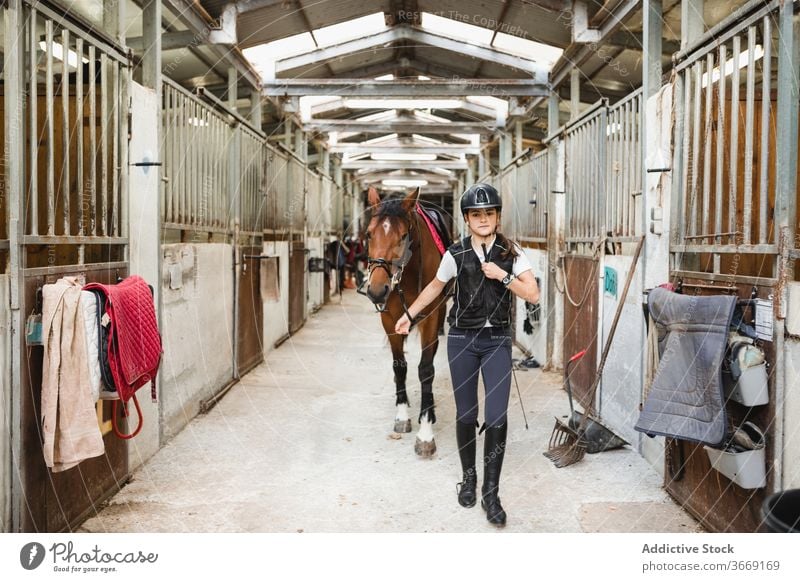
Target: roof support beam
{"points": [[417, 36], [188, 14], [572, 59], [403, 165], [501, 88], [374, 148], [356, 126], [429, 70]]}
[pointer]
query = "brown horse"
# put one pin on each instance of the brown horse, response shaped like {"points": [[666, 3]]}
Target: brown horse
{"points": [[403, 258]]}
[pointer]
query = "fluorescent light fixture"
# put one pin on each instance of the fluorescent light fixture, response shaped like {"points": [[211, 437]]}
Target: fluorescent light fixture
{"points": [[403, 103], [58, 53], [404, 183], [402, 157], [389, 77], [744, 58], [423, 78]]}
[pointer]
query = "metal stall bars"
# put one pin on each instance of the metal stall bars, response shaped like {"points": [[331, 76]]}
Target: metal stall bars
{"points": [[532, 199], [276, 182], [506, 184], [314, 200], [585, 141], [72, 148], [725, 187], [251, 188], [198, 202], [624, 170], [724, 235]]}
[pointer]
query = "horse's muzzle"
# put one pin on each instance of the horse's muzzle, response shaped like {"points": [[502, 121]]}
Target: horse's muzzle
{"points": [[380, 297]]}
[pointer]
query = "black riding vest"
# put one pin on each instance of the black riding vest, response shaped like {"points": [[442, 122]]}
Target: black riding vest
{"points": [[478, 299]]}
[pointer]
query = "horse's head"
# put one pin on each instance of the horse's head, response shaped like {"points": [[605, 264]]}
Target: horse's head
{"points": [[389, 239]]}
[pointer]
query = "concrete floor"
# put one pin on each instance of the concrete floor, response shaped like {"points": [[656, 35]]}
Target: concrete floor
{"points": [[305, 444]]}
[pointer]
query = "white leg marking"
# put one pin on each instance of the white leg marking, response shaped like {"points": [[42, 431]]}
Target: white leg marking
{"points": [[425, 432], [402, 412]]}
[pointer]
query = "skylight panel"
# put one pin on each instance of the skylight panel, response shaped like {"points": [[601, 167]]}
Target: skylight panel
{"points": [[262, 54], [355, 28], [536, 51], [456, 29]]}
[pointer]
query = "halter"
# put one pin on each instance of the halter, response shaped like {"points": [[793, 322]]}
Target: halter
{"points": [[397, 276]]}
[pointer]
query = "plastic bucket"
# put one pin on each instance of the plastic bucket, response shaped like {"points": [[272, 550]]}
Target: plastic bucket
{"points": [[781, 511]]}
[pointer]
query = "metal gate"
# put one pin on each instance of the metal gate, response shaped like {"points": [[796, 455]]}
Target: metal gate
{"points": [[584, 225], [68, 203], [726, 236]]}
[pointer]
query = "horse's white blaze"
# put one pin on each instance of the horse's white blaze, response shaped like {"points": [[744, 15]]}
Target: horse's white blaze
{"points": [[425, 430], [386, 226], [402, 412]]}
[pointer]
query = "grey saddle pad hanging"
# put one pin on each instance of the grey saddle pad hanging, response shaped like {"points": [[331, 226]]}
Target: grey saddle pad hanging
{"points": [[686, 399]]}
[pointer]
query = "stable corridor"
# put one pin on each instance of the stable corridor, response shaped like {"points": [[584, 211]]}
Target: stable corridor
{"points": [[304, 443]]}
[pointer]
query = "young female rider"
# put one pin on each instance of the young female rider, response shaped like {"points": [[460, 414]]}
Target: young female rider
{"points": [[488, 268]]}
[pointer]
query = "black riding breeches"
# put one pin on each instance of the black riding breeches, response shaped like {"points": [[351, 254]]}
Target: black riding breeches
{"points": [[488, 350]]}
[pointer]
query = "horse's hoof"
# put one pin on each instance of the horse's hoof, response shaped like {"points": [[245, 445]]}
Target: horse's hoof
{"points": [[402, 425], [425, 449]]}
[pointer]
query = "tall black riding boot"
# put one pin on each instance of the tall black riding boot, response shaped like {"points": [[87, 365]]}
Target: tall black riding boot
{"points": [[465, 438], [494, 449]]}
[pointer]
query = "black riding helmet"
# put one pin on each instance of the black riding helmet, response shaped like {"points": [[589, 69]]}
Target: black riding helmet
{"points": [[480, 196]]}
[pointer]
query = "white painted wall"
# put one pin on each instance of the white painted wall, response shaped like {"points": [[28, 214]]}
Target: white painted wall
{"points": [[197, 292], [144, 249], [791, 416], [5, 410], [276, 314], [620, 389], [536, 343], [316, 296]]}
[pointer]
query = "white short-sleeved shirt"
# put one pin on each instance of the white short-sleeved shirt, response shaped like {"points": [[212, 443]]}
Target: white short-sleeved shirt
{"points": [[448, 269]]}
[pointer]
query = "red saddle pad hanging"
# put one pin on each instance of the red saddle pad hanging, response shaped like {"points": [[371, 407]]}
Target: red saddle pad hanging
{"points": [[134, 342]]}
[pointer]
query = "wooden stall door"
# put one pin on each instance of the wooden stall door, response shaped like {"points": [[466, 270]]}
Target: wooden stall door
{"points": [[250, 324], [297, 286], [580, 323]]}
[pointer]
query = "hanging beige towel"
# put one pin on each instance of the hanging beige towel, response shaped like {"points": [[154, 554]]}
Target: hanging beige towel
{"points": [[69, 421]]}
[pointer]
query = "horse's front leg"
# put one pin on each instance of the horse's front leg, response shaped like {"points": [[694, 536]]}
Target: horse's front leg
{"points": [[425, 445], [402, 422]]}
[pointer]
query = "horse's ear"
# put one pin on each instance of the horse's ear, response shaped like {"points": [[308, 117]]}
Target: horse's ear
{"points": [[373, 197], [411, 200]]}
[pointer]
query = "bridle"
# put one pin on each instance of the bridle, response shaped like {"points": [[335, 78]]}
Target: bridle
{"points": [[400, 265]]}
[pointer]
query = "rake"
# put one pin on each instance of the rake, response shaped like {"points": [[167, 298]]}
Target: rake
{"points": [[568, 442]]}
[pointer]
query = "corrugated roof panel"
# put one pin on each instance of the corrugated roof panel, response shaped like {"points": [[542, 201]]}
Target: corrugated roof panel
{"points": [[262, 26], [326, 13]]}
